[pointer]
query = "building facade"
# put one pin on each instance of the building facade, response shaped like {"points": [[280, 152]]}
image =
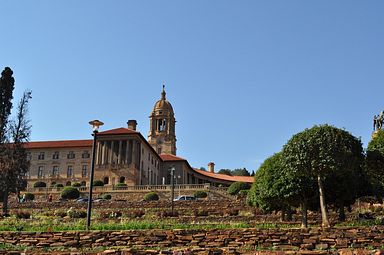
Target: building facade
{"points": [[123, 155]]}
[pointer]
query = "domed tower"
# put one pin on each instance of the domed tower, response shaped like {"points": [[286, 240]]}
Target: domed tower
{"points": [[162, 127]]}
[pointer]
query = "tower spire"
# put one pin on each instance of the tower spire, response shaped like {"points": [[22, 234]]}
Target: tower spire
{"points": [[163, 93]]}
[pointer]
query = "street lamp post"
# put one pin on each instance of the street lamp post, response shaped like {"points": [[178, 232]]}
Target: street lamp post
{"points": [[95, 125], [173, 187]]}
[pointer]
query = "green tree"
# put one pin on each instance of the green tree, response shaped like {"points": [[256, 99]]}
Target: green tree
{"points": [[13, 135], [375, 164], [240, 172], [320, 153], [225, 171], [268, 189]]}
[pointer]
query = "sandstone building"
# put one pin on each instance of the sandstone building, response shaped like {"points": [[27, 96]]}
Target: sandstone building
{"points": [[123, 155]]}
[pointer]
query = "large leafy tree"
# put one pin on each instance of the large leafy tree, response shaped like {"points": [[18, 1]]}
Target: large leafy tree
{"points": [[375, 163], [323, 152], [13, 134], [269, 187]]}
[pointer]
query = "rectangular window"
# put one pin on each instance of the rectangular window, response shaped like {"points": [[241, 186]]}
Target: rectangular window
{"points": [[55, 155], [55, 171], [69, 171], [71, 155], [84, 171], [40, 172], [41, 156], [85, 154], [29, 156]]}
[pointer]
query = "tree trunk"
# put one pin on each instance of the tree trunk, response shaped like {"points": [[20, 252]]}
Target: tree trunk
{"points": [[283, 213], [341, 213], [289, 214], [5, 202], [304, 218], [324, 216]]}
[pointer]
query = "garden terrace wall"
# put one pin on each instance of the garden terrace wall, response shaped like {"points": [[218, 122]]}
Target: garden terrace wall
{"points": [[288, 239]]}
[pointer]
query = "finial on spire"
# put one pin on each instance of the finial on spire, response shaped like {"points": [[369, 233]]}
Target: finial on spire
{"points": [[163, 93]]}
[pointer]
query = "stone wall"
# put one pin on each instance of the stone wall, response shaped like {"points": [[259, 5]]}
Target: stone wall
{"points": [[232, 239]]}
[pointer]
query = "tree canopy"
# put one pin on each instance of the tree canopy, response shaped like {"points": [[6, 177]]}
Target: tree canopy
{"points": [[13, 134], [321, 153]]}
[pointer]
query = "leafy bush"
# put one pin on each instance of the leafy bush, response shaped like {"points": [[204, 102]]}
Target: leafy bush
{"points": [[120, 184], [136, 214], [243, 193], [70, 193], [151, 196], [58, 185], [22, 215], [98, 183], [60, 213], [200, 194], [39, 184], [237, 186], [29, 196], [168, 213], [76, 185], [232, 212], [76, 214], [106, 196], [200, 212]]}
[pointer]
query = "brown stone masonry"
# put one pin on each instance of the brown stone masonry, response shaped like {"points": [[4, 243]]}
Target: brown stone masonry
{"points": [[280, 239]]}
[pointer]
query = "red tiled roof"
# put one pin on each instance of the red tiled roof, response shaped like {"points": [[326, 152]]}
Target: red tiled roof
{"points": [[170, 157], [225, 177], [58, 144], [118, 131], [249, 179]]}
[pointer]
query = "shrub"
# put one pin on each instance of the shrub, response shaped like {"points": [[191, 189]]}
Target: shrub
{"points": [[76, 214], [29, 196], [22, 215], [58, 185], [136, 214], [70, 193], [76, 185], [106, 196], [60, 213], [98, 183], [39, 184], [243, 193], [120, 184], [151, 196], [200, 212], [232, 212], [237, 186], [200, 194]]}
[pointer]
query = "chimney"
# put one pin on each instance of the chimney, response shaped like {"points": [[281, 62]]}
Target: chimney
{"points": [[132, 124], [211, 167]]}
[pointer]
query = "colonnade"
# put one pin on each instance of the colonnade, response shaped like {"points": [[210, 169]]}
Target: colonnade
{"points": [[118, 152]]}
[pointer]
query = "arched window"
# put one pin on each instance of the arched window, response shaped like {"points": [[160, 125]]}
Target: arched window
{"points": [[83, 184], [122, 179], [106, 180], [68, 183]]}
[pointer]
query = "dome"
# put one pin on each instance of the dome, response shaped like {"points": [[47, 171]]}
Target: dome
{"points": [[163, 104]]}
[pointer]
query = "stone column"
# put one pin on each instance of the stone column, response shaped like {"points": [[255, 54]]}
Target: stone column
{"points": [[134, 152], [103, 153], [119, 153], [98, 156], [111, 156], [127, 153]]}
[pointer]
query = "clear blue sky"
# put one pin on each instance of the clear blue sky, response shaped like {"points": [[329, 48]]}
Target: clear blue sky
{"points": [[242, 76]]}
